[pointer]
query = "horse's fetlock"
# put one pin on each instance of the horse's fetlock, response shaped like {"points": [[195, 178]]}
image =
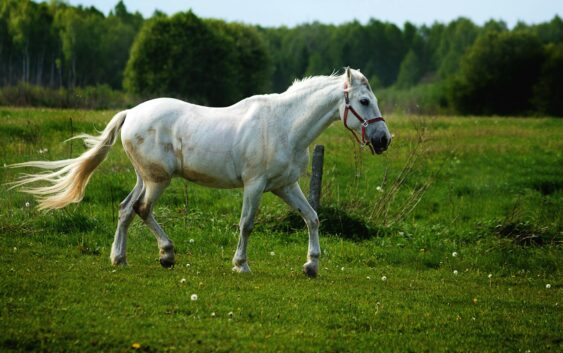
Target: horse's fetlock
{"points": [[311, 268], [120, 260]]}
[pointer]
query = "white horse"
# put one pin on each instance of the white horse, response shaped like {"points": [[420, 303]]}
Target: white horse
{"points": [[260, 143]]}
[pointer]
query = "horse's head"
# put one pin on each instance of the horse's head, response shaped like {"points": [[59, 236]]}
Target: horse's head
{"points": [[360, 113]]}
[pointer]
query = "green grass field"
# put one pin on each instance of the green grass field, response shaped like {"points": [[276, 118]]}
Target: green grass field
{"points": [[489, 190]]}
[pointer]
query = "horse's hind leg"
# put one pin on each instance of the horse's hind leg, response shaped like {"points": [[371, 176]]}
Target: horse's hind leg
{"points": [[126, 215], [143, 207], [294, 197]]}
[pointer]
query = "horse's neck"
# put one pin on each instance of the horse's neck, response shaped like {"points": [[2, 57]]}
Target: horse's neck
{"points": [[313, 113]]}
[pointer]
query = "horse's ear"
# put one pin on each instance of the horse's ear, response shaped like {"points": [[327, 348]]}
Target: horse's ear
{"points": [[349, 75]]}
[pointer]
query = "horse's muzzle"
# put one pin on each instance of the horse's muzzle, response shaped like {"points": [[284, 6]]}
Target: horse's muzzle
{"points": [[380, 143]]}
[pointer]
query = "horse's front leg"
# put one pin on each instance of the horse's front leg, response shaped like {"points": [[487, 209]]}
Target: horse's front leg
{"points": [[251, 200], [294, 197]]}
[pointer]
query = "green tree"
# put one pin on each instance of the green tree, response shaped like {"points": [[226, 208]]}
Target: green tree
{"points": [[184, 57], [457, 37], [548, 92], [497, 74], [250, 60], [411, 70]]}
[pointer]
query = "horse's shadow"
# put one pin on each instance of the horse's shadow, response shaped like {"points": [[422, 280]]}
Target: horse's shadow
{"points": [[334, 222]]}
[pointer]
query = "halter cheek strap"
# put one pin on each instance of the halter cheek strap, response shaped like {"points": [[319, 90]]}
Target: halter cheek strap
{"points": [[364, 122]]}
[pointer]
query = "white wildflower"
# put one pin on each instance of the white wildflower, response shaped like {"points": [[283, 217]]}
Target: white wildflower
{"points": [[192, 240], [454, 254], [183, 280], [379, 188], [547, 286], [230, 314], [272, 253], [213, 314], [455, 272], [384, 278], [27, 204], [490, 275], [193, 297]]}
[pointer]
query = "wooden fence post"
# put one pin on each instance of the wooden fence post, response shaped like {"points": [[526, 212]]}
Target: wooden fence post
{"points": [[316, 177]]}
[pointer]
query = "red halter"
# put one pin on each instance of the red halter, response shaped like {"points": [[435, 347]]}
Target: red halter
{"points": [[363, 121]]}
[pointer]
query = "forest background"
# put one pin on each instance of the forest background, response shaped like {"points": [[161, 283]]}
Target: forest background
{"points": [[56, 55]]}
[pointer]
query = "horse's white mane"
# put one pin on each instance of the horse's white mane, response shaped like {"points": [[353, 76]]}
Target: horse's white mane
{"points": [[307, 82]]}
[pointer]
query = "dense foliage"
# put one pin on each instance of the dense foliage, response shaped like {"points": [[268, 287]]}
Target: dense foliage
{"points": [[211, 62], [455, 67]]}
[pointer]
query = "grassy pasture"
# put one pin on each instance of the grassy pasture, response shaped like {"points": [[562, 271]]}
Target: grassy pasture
{"points": [[494, 197]]}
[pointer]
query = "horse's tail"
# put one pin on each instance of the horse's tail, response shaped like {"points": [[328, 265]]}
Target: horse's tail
{"points": [[68, 178]]}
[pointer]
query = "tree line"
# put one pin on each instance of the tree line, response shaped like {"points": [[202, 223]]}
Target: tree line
{"points": [[458, 67]]}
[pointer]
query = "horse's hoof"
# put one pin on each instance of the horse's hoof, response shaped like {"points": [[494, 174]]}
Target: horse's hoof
{"points": [[167, 262], [119, 261], [242, 268], [310, 269]]}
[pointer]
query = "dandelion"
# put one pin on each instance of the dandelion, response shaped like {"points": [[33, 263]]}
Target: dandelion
{"points": [[136, 345], [454, 254], [384, 278], [192, 240], [187, 265], [379, 188], [490, 275], [455, 272], [27, 204], [547, 286], [272, 253], [193, 297], [183, 280], [368, 277], [213, 314]]}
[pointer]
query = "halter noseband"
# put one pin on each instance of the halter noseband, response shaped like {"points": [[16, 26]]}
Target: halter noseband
{"points": [[363, 121]]}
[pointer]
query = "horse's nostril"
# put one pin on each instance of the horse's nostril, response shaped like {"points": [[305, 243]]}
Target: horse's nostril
{"points": [[380, 141]]}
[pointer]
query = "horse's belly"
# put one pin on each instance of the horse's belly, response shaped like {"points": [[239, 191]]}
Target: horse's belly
{"points": [[210, 172], [210, 180]]}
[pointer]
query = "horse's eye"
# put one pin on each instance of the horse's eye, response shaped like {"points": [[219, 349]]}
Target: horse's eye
{"points": [[364, 101]]}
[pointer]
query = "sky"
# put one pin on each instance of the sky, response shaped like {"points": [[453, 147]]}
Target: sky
{"points": [[294, 12]]}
